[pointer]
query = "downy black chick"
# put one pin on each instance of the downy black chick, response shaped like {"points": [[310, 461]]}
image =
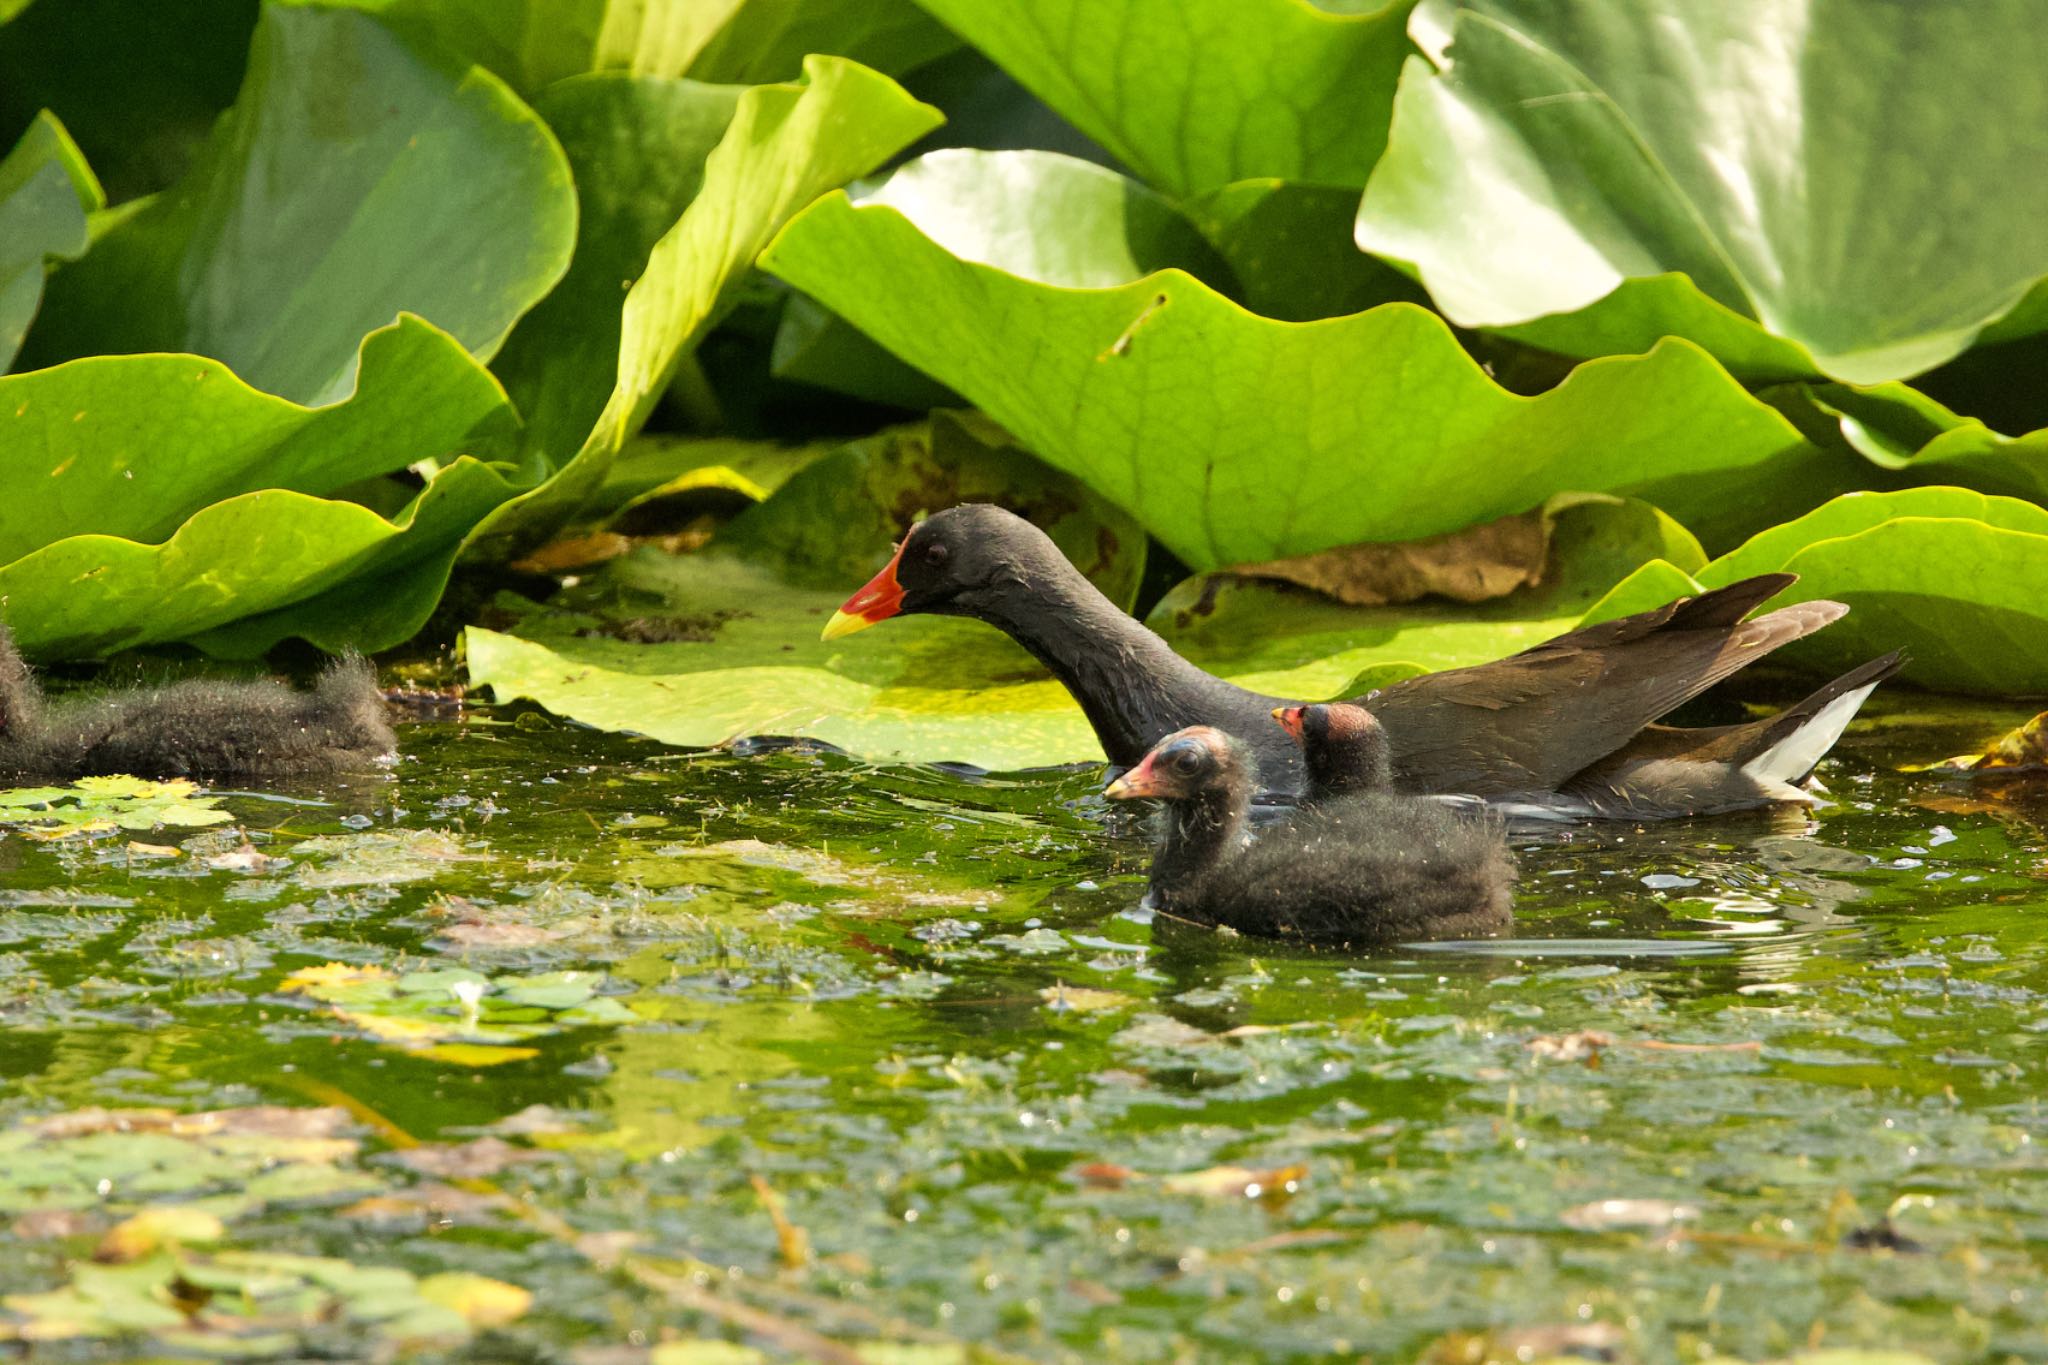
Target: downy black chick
{"points": [[1371, 868], [202, 729]]}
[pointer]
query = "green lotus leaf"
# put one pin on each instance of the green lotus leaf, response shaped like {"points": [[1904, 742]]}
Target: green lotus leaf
{"points": [[1289, 246], [936, 690], [138, 86], [723, 644], [131, 445], [1287, 641], [767, 40], [786, 145], [533, 43], [357, 177], [529, 43], [1050, 218], [637, 146], [1235, 439], [1195, 94], [1914, 439], [46, 190], [660, 479], [245, 572], [1950, 575], [1591, 175]]}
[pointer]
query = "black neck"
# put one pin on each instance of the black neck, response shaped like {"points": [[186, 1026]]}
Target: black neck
{"points": [[1132, 686], [1337, 770], [1200, 831]]}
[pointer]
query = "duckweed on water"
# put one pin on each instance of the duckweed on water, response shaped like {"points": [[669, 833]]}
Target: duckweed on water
{"points": [[559, 1046]]}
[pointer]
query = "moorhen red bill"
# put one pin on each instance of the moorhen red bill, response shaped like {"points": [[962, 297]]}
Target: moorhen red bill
{"points": [[1523, 730], [197, 729], [1361, 870]]}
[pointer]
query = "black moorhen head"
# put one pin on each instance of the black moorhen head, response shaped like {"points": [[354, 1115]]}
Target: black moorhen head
{"points": [[207, 730], [1372, 868], [1345, 747], [1565, 728]]}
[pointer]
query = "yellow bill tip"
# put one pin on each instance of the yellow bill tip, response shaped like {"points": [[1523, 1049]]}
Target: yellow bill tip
{"points": [[844, 623]]}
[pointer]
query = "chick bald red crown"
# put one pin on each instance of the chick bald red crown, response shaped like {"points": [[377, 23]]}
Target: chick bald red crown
{"points": [[881, 599]]}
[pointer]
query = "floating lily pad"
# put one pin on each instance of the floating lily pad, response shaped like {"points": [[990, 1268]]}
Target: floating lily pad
{"points": [[222, 1163], [457, 1015], [723, 644], [255, 1305], [93, 805]]}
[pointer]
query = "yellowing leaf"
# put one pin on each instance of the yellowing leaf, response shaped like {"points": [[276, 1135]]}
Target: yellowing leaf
{"points": [[1236, 1182], [477, 1054], [133, 1238], [330, 976], [1081, 999], [482, 1301]]}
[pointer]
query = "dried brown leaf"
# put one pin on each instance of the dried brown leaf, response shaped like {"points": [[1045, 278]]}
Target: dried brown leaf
{"points": [[2023, 746], [477, 1160], [1476, 564]]}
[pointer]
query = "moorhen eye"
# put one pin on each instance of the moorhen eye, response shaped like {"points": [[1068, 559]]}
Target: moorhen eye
{"points": [[1187, 761], [935, 553]]}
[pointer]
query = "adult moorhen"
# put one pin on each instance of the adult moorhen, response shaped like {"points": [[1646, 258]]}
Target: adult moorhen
{"points": [[195, 729], [1366, 869], [1520, 729]]}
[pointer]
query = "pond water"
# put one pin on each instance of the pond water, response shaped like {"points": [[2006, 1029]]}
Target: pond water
{"points": [[814, 1058]]}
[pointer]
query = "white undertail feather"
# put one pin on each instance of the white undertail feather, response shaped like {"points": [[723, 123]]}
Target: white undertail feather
{"points": [[1793, 757]]}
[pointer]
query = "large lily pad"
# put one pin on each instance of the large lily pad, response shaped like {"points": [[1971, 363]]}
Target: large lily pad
{"points": [[1952, 576], [1235, 438], [1194, 94], [130, 445], [357, 177], [637, 146], [786, 144], [1733, 173], [937, 690], [723, 644], [46, 189]]}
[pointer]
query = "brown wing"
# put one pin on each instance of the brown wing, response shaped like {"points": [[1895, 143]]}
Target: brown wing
{"points": [[1529, 722]]}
